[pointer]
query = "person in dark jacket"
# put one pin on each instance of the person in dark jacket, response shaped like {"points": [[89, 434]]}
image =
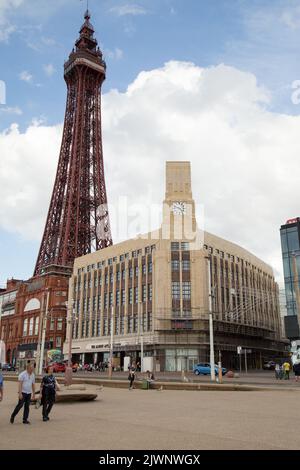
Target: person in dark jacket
{"points": [[297, 371], [131, 376], [49, 387]]}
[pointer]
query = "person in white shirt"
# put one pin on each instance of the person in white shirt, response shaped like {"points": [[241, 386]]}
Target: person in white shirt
{"points": [[25, 390]]}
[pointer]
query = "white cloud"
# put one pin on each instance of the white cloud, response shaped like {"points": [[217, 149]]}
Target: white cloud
{"points": [[129, 9], [11, 110], [27, 163], [245, 159], [6, 27], [25, 76], [49, 70], [115, 54]]}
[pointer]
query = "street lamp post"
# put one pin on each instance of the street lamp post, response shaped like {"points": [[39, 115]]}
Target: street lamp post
{"points": [[142, 336], [211, 326], [45, 318], [111, 353], [69, 368]]}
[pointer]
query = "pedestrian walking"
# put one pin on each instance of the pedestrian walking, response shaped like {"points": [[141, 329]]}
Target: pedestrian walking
{"points": [[277, 371], [26, 389], [1, 386], [131, 377], [297, 371], [49, 387], [286, 367]]}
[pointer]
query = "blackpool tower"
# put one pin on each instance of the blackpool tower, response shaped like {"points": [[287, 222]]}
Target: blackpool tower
{"points": [[78, 219]]}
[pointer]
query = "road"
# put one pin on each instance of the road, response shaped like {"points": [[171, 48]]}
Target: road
{"points": [[150, 419]]}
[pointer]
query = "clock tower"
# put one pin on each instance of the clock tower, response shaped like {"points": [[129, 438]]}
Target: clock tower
{"points": [[179, 220]]}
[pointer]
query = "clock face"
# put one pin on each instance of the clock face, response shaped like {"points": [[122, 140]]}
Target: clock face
{"points": [[179, 208]]}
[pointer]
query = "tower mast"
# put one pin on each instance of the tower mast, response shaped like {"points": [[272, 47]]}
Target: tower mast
{"points": [[78, 220]]}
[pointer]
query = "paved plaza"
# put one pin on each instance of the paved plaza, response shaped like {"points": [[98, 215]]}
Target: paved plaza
{"points": [[150, 419]]}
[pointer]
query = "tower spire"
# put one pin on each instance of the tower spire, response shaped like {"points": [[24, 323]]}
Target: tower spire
{"points": [[78, 219]]}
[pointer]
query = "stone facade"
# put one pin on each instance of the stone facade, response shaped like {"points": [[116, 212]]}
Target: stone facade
{"points": [[155, 290]]}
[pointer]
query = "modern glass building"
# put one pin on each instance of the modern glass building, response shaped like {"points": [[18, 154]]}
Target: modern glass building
{"points": [[290, 245]]}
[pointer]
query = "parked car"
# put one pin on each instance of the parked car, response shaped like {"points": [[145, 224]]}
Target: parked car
{"points": [[8, 368], [57, 367], [204, 369], [269, 365]]}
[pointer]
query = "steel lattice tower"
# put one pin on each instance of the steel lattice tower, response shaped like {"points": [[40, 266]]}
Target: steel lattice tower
{"points": [[78, 219]]}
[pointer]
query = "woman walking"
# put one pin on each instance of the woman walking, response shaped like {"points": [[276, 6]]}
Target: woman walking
{"points": [[297, 371], [131, 376], [49, 387]]}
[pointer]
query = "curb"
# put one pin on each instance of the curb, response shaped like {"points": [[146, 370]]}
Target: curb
{"points": [[168, 385]]}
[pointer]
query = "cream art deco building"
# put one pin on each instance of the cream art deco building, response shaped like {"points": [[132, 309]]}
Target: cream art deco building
{"points": [[156, 289]]}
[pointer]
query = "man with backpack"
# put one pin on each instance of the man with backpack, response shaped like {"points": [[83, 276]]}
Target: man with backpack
{"points": [[1, 386]]}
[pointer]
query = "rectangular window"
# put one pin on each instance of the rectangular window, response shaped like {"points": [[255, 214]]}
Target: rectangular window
{"points": [[123, 274], [174, 246], [186, 290], [118, 275], [186, 265], [105, 300], [122, 257], [123, 297], [130, 293], [58, 342], [185, 246], [31, 326], [51, 324], [176, 290], [175, 265], [136, 295], [130, 272], [136, 271], [111, 278], [105, 326], [144, 268], [117, 297], [150, 267], [59, 324], [122, 325], [36, 326], [149, 292], [135, 323], [106, 279], [144, 290], [149, 321], [110, 299]]}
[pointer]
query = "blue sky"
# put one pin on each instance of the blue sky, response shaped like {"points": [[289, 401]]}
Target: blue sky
{"points": [[36, 36]]}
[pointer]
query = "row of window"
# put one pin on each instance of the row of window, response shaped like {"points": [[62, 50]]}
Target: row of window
{"points": [[120, 298], [177, 246], [186, 265], [119, 326], [186, 290], [109, 278], [232, 258], [31, 326], [117, 259]]}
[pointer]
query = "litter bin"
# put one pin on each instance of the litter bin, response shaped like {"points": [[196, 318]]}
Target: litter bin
{"points": [[145, 385]]}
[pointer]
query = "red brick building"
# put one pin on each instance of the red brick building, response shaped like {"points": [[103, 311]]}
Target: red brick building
{"points": [[33, 302]]}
